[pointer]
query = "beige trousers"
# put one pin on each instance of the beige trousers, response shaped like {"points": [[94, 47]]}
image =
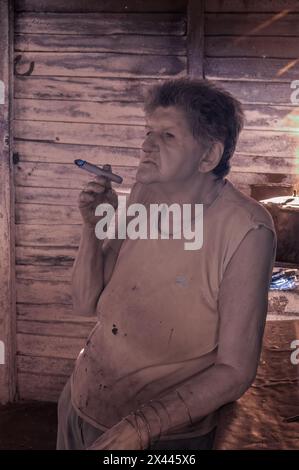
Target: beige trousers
{"points": [[76, 434]]}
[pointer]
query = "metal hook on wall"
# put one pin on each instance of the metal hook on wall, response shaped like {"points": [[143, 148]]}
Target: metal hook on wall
{"points": [[17, 60]]}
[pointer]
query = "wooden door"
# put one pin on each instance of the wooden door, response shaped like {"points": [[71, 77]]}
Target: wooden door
{"points": [[82, 68]]}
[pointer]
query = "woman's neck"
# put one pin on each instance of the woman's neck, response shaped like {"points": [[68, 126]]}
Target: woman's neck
{"points": [[203, 188]]}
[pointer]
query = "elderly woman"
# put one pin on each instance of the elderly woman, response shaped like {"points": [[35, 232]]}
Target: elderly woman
{"points": [[180, 331]]}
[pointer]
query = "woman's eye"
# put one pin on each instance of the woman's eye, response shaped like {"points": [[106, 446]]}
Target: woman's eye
{"points": [[168, 134]]}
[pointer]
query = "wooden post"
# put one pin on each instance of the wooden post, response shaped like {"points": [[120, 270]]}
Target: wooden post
{"points": [[7, 222], [195, 38]]}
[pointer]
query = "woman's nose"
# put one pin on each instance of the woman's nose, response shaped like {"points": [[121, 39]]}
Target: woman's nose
{"points": [[150, 144]]}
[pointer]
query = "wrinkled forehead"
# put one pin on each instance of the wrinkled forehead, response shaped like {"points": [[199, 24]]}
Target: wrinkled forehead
{"points": [[167, 117]]}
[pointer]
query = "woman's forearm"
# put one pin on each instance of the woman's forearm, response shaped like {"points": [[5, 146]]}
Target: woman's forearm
{"points": [[88, 273]]}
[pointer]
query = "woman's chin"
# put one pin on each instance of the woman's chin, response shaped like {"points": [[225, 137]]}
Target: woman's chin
{"points": [[145, 176]]}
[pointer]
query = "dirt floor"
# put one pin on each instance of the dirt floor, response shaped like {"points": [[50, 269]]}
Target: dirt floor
{"points": [[266, 417], [28, 426]]}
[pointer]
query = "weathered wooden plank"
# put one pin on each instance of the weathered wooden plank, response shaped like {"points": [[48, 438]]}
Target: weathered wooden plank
{"points": [[55, 218], [77, 133], [252, 69], [89, 64], [48, 215], [45, 366], [195, 34], [251, 179], [56, 175], [50, 312], [250, 6], [47, 235], [7, 243], [44, 175], [259, 92], [56, 196], [234, 46], [61, 197], [93, 6], [252, 24], [42, 195], [35, 345], [52, 328], [40, 387], [269, 143], [43, 273], [46, 256], [259, 117], [79, 88], [260, 164], [120, 43], [79, 111], [42, 292], [105, 23], [66, 153], [268, 117]]}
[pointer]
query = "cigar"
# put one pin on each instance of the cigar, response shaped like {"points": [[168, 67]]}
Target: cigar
{"points": [[105, 171]]}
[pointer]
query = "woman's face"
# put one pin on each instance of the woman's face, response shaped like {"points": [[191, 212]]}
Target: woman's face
{"points": [[170, 153]]}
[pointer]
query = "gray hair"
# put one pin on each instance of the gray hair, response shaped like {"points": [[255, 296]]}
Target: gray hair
{"points": [[212, 113]]}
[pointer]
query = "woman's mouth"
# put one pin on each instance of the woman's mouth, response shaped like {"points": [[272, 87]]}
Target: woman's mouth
{"points": [[149, 162]]}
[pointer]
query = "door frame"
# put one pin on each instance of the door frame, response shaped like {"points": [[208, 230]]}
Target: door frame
{"points": [[7, 210]]}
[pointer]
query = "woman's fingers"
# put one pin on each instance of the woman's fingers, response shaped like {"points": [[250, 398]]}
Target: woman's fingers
{"points": [[93, 186], [94, 196], [86, 197], [104, 181]]}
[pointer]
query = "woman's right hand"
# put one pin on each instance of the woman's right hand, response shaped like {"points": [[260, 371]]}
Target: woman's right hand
{"points": [[98, 191]]}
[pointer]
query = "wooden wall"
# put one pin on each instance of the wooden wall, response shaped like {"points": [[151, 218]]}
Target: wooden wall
{"points": [[252, 49], [91, 63], [81, 70]]}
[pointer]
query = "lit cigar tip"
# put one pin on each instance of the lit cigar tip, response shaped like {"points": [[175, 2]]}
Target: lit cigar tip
{"points": [[79, 162]]}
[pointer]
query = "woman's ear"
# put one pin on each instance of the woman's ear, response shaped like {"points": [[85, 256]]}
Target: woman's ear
{"points": [[211, 157]]}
